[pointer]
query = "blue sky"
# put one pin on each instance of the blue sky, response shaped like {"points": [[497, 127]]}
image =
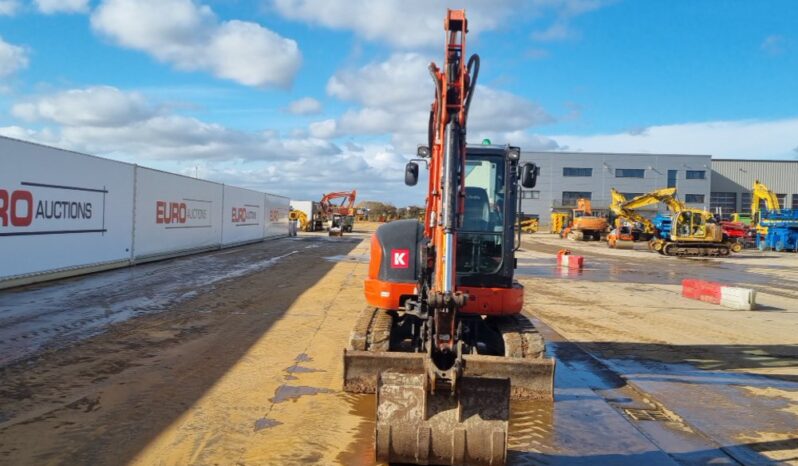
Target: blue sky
{"points": [[305, 96]]}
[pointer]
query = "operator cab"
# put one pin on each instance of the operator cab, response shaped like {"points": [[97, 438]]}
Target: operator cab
{"points": [[486, 237]]}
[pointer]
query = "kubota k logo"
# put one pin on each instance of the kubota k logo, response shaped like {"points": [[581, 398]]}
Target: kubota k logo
{"points": [[400, 258]]}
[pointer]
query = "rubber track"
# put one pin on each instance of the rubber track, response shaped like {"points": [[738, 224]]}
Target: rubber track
{"points": [[521, 338], [694, 250], [372, 331], [358, 339]]}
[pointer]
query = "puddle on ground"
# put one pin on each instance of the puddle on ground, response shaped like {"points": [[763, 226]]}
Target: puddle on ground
{"points": [[303, 357], [360, 450], [294, 392], [265, 423], [295, 369]]}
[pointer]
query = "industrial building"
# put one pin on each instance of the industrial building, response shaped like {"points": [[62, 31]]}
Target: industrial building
{"points": [[567, 176], [732, 181], [720, 185]]}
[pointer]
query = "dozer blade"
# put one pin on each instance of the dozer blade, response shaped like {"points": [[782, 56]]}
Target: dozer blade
{"points": [[415, 426], [530, 378]]}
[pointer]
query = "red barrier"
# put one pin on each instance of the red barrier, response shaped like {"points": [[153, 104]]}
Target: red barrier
{"points": [[566, 259], [701, 290]]}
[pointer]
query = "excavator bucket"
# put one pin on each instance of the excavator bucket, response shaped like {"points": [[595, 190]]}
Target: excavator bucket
{"points": [[414, 426], [468, 427]]}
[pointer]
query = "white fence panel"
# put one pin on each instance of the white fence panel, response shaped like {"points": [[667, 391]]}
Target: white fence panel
{"points": [[243, 215], [61, 210], [277, 224], [175, 214]]}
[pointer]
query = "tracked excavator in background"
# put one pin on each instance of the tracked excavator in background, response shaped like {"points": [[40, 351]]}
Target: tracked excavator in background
{"points": [[684, 231], [340, 217], [584, 225], [443, 343]]}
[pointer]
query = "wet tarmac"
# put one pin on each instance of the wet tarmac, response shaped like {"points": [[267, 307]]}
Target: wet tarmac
{"points": [[52, 315], [750, 268], [278, 399]]}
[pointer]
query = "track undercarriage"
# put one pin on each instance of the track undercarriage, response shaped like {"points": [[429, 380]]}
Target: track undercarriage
{"points": [[503, 359], [687, 249]]}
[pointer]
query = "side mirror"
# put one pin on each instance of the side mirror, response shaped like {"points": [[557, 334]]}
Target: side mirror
{"points": [[529, 175], [411, 173]]}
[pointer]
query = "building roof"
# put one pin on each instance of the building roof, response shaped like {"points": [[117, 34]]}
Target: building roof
{"points": [[758, 160], [611, 153]]}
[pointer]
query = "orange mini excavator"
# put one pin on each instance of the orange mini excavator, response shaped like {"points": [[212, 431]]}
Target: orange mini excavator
{"points": [[443, 343]]}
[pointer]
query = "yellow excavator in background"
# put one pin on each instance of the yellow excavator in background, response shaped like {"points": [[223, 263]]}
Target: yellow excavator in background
{"points": [[760, 193], [584, 225], [624, 234], [301, 219], [685, 231]]}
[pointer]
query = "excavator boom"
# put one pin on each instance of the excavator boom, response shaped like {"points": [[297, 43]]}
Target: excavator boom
{"points": [[345, 207], [622, 207], [760, 193]]}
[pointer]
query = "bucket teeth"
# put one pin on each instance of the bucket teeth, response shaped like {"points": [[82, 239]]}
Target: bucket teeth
{"points": [[418, 427]]}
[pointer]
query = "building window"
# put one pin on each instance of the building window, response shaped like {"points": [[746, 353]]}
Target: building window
{"points": [[630, 173], [782, 200], [695, 175], [629, 196], [795, 201], [694, 198], [530, 194], [571, 171], [569, 198], [672, 178], [725, 202], [745, 203]]}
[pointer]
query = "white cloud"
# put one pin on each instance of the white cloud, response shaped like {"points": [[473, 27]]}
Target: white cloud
{"points": [[374, 170], [560, 30], [9, 7], [62, 6], [323, 129], [12, 58], [496, 110], [413, 23], [394, 96], [107, 121], [774, 44], [732, 139], [93, 106], [192, 38], [526, 140], [305, 106], [400, 81]]}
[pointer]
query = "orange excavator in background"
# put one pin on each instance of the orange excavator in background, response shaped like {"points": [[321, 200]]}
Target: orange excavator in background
{"points": [[584, 225], [339, 217], [443, 343]]}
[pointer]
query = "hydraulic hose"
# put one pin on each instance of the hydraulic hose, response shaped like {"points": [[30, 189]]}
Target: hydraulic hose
{"points": [[473, 71]]}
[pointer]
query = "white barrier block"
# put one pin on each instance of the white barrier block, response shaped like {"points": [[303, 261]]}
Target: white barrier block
{"points": [[743, 299]]}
